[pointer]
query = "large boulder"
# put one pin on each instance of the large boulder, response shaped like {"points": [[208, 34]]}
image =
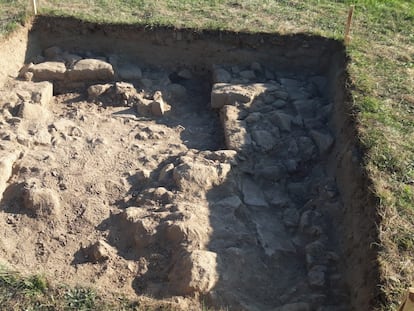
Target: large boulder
{"points": [[91, 70]]}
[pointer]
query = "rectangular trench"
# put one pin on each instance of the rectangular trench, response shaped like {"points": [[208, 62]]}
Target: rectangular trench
{"points": [[284, 221]]}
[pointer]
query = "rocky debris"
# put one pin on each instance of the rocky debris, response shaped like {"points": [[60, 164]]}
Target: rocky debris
{"points": [[231, 203], [194, 272], [91, 70], [38, 93], [42, 201], [48, 71], [98, 252], [176, 91], [6, 168]]}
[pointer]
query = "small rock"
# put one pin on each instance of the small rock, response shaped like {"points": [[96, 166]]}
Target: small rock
{"points": [[176, 91], [130, 72], [280, 103], [264, 140], [98, 252], [255, 66], [306, 108], [252, 194], [282, 120], [291, 217], [221, 76], [290, 83], [157, 108], [6, 168], [271, 172], [316, 276], [44, 202], [323, 140], [94, 91], [185, 74], [166, 173], [247, 74], [233, 202]]}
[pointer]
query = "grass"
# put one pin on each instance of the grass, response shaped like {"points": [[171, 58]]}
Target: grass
{"points": [[381, 70]]}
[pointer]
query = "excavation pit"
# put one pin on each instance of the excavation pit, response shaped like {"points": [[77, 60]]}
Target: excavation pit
{"points": [[162, 162]]}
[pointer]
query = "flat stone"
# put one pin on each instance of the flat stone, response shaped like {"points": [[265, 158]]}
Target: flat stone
{"points": [[91, 70], [48, 71], [272, 234], [323, 140], [252, 194], [235, 135], [229, 94], [280, 103]]}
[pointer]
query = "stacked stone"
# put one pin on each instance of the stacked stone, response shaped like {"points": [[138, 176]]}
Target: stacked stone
{"points": [[278, 124]]}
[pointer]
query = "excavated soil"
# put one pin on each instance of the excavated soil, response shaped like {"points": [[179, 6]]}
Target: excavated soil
{"points": [[179, 163]]}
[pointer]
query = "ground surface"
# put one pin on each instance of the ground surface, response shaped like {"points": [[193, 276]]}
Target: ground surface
{"points": [[159, 205], [381, 71]]}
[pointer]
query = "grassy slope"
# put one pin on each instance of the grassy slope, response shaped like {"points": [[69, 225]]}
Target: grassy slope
{"points": [[382, 72]]}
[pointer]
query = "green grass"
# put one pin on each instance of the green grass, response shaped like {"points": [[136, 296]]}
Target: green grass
{"points": [[381, 70]]}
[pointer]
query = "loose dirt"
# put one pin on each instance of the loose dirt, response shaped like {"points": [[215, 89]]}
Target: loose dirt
{"points": [[169, 181]]}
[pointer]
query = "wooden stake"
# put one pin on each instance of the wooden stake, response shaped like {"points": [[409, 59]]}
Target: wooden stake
{"points": [[408, 303], [348, 24], [34, 7]]}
